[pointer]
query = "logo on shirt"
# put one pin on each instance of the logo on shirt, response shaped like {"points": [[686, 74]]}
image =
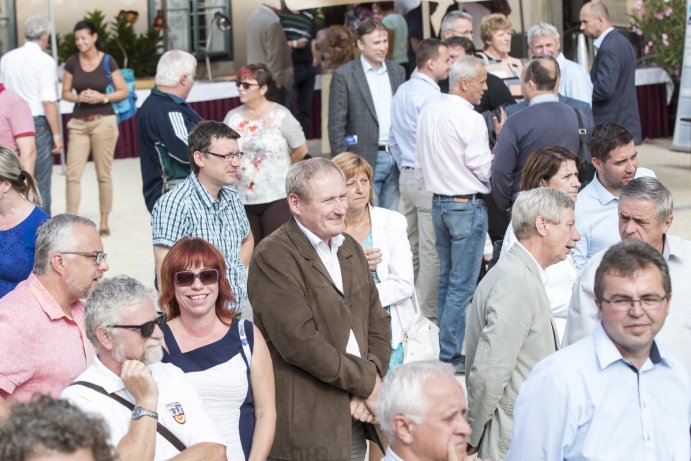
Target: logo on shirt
{"points": [[177, 412]]}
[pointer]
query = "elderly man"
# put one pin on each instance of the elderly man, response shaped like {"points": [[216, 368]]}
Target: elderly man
{"points": [[543, 40], [32, 74], [615, 394], [152, 410], [42, 320], [613, 72], [433, 64], [206, 205], [521, 136], [457, 24], [360, 99], [645, 213], [510, 325], [429, 424], [164, 123], [615, 159], [318, 308], [453, 152]]}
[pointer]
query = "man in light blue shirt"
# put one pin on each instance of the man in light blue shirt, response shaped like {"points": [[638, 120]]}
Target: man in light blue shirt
{"points": [[543, 40], [615, 394], [433, 64], [615, 159]]}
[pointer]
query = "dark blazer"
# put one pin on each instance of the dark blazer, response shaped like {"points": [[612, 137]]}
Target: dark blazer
{"points": [[351, 109], [583, 106], [306, 321], [614, 86]]}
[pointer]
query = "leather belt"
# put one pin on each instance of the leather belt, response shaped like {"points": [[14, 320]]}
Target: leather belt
{"points": [[383, 148]]}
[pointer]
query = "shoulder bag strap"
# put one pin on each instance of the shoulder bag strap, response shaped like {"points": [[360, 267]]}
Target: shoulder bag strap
{"points": [[169, 436], [583, 135], [106, 66], [247, 352]]}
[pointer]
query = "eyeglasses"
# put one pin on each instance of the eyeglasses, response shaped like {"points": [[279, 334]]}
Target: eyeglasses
{"points": [[146, 328], [228, 157], [624, 303], [99, 256], [187, 278], [246, 85]]}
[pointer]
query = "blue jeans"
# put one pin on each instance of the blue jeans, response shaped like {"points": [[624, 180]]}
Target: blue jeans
{"points": [[385, 181], [43, 171], [460, 226]]}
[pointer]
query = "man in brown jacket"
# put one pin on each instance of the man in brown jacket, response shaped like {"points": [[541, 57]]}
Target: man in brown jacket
{"points": [[318, 308]]}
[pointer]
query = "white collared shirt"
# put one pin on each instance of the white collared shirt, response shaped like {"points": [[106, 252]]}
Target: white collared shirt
{"points": [[382, 94], [598, 41], [328, 254], [32, 74]]}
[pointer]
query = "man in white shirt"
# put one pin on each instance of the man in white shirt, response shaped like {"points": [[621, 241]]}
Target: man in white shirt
{"points": [[543, 40], [129, 387], [429, 424], [453, 153], [32, 74]]}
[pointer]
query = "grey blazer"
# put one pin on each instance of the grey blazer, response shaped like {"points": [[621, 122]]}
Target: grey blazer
{"points": [[509, 330], [351, 109]]}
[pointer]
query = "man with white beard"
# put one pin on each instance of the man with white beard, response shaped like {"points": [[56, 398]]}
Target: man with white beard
{"points": [[151, 409]]}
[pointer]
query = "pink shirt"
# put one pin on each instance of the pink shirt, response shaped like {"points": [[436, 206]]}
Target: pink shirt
{"points": [[16, 120], [42, 350]]}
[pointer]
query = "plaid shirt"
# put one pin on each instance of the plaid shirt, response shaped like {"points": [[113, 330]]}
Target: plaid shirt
{"points": [[190, 211]]}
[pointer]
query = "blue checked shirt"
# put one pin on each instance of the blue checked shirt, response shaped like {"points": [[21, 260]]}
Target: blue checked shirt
{"points": [[190, 211]]}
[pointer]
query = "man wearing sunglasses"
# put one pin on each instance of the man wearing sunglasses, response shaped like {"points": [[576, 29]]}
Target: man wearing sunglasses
{"points": [[206, 205], [615, 394], [42, 340], [149, 406], [318, 308]]}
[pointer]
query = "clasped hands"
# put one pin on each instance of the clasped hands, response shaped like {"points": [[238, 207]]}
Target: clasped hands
{"points": [[366, 410]]}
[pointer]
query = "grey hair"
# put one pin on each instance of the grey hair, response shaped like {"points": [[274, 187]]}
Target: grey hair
{"points": [[174, 65], [403, 391], [105, 304], [36, 27], [56, 234], [650, 189], [542, 29], [451, 18], [300, 174], [545, 202], [465, 68]]}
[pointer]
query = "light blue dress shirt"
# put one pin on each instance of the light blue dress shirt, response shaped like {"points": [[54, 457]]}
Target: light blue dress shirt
{"points": [[597, 219], [575, 80], [408, 102], [586, 403]]}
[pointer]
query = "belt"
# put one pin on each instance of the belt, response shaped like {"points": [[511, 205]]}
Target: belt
{"points": [[383, 148], [88, 118], [460, 198], [405, 168]]}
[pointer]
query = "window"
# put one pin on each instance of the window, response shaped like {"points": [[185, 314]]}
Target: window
{"points": [[8, 29]]}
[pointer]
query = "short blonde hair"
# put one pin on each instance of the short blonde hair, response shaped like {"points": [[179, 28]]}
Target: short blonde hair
{"points": [[351, 164], [491, 24]]}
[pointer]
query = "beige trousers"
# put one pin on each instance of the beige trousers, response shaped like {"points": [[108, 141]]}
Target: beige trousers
{"points": [[98, 137]]}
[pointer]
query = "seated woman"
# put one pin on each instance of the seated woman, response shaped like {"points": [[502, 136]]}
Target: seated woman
{"points": [[20, 217], [224, 357], [555, 167], [495, 31], [383, 234], [271, 139]]}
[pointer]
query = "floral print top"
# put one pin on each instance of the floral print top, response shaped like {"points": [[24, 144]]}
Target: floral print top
{"points": [[267, 143]]}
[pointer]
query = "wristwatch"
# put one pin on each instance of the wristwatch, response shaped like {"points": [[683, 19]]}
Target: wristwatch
{"points": [[138, 412], [106, 100]]}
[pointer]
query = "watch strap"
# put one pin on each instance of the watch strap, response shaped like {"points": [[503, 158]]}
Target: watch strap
{"points": [[138, 412]]}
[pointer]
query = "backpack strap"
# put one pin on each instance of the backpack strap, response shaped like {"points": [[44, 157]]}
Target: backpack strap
{"points": [[106, 66], [246, 351], [160, 428]]}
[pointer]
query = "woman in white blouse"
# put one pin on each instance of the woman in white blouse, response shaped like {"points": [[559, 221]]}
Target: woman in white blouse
{"points": [[555, 167]]}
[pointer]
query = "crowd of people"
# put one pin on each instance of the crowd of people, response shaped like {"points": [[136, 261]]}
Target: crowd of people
{"points": [[461, 186]]}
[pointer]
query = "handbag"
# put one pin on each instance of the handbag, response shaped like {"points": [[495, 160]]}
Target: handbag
{"points": [[126, 108], [421, 338]]}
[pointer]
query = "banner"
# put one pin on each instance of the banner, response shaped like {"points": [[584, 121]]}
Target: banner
{"points": [[682, 127]]}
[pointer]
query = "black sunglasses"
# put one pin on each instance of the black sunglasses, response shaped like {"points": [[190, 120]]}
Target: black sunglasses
{"points": [[146, 328], [246, 85], [186, 278]]}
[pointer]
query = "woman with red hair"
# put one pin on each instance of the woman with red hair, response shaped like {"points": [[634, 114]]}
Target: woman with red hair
{"points": [[226, 358]]}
